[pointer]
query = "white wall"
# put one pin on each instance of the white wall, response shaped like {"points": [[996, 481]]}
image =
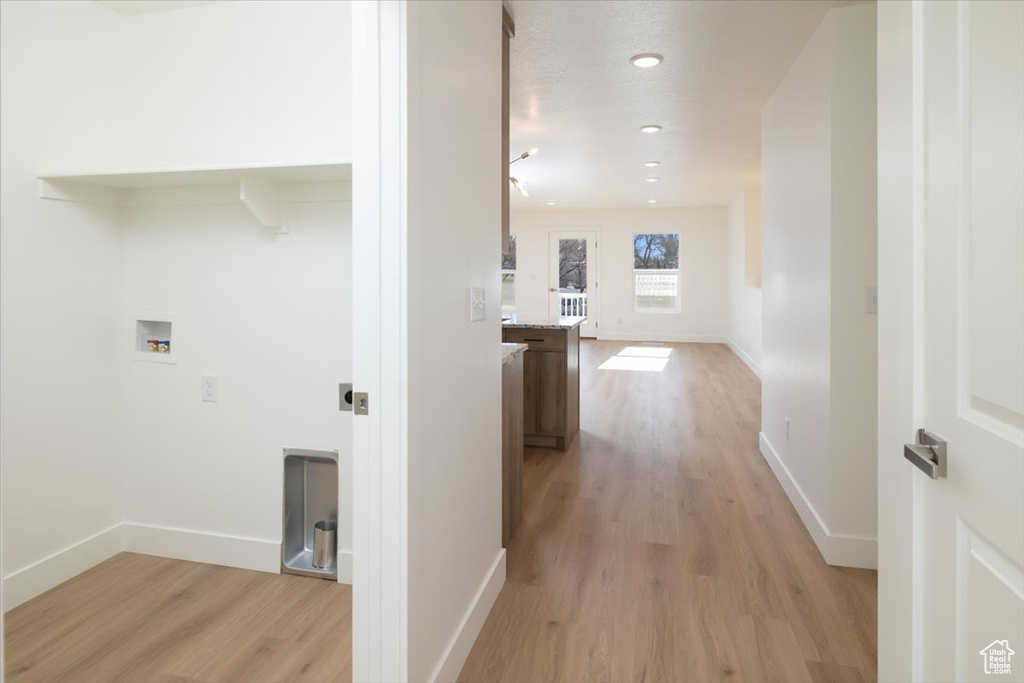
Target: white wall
{"points": [[744, 301], [455, 560], [261, 83], [854, 334], [270, 316], [703, 287], [60, 283], [819, 358], [752, 237], [252, 81], [86, 89]]}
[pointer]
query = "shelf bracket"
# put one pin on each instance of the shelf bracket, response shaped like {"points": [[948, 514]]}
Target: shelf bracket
{"points": [[263, 199]]}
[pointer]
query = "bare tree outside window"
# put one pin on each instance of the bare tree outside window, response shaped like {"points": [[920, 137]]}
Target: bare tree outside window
{"points": [[572, 265], [656, 251], [508, 259], [508, 275]]}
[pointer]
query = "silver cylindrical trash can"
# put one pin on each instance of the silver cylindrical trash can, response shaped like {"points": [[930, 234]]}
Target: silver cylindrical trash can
{"points": [[325, 539]]}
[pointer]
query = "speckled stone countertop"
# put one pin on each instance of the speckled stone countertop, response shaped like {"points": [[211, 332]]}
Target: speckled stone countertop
{"points": [[510, 351], [563, 322]]}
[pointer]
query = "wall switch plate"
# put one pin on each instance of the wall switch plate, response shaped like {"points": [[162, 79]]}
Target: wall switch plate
{"points": [[871, 300], [477, 304], [209, 388]]}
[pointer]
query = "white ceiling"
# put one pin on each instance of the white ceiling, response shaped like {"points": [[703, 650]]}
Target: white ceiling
{"points": [[576, 96]]}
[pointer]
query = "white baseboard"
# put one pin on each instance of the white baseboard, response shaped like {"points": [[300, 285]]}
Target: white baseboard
{"points": [[744, 356], [838, 549], [180, 544], [211, 548], [472, 621], [667, 338], [859, 552], [198, 546], [39, 577], [808, 515]]}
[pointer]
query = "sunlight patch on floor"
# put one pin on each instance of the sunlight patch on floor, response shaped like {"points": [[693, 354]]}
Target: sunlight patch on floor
{"points": [[638, 359], [646, 351]]}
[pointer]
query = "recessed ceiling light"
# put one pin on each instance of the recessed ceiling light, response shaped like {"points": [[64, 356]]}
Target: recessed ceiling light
{"points": [[646, 60], [651, 164], [652, 201], [652, 180], [551, 202], [650, 128]]}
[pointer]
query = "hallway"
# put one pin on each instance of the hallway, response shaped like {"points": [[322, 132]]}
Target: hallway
{"points": [[660, 547]]}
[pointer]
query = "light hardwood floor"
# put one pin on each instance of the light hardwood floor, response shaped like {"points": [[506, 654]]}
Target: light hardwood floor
{"points": [[153, 620], [660, 547]]}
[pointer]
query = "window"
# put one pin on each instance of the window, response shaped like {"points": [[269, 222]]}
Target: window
{"points": [[572, 276], [508, 275], [656, 272]]}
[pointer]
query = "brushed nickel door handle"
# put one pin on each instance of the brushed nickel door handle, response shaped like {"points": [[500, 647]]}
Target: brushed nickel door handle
{"points": [[928, 454]]}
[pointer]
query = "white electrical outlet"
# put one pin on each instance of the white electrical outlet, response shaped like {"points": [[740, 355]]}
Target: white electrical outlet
{"points": [[787, 429], [871, 300], [210, 388], [477, 304]]}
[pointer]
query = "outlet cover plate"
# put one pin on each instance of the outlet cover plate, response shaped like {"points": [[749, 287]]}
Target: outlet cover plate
{"points": [[209, 388]]}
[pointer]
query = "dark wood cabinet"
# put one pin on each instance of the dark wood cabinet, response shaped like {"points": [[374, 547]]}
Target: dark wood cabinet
{"points": [[511, 447], [551, 385]]}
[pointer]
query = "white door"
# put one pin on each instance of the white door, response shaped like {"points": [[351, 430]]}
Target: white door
{"points": [[573, 285], [962, 553]]}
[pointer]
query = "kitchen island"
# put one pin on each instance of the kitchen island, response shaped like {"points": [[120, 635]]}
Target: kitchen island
{"points": [[551, 377]]}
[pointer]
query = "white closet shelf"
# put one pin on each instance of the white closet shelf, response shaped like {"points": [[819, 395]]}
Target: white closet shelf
{"points": [[315, 172], [263, 190]]}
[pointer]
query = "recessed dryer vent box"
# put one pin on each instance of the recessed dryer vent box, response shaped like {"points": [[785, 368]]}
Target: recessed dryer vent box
{"points": [[310, 496]]}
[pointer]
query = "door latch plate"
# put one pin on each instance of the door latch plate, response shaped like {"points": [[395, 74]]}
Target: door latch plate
{"points": [[361, 403]]}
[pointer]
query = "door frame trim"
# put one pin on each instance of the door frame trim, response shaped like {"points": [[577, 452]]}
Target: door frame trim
{"points": [[900, 271], [597, 277], [380, 367]]}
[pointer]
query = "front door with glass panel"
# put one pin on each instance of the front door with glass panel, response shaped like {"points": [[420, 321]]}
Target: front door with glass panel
{"points": [[573, 281]]}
